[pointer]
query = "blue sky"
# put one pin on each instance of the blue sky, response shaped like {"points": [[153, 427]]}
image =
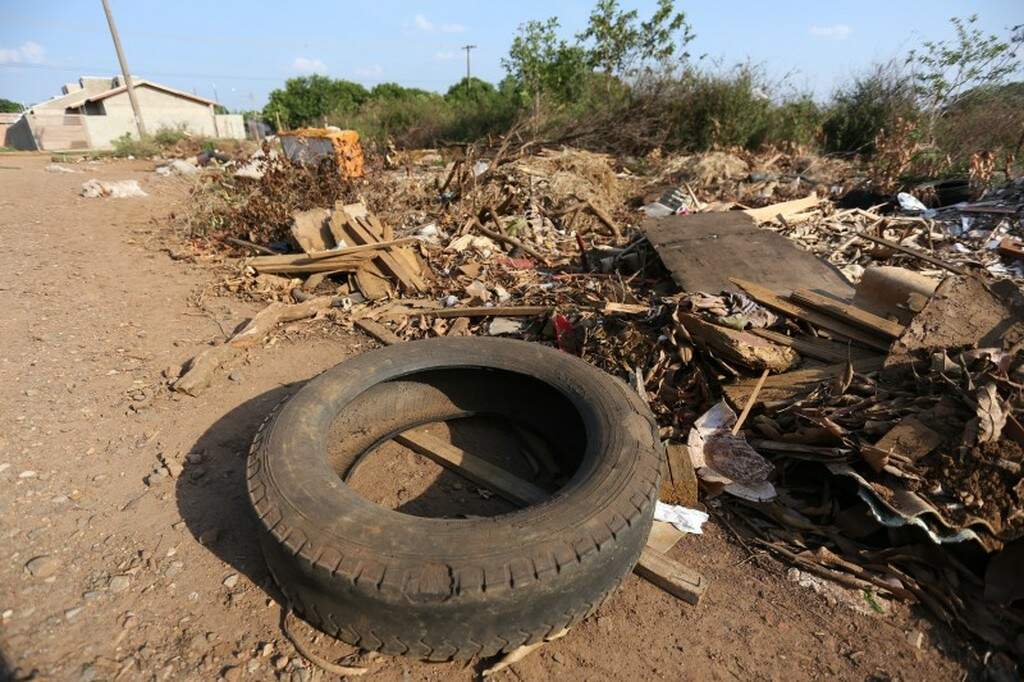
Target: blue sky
{"points": [[244, 49]]}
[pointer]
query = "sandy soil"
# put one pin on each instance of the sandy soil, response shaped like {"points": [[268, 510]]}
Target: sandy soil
{"points": [[104, 576]]}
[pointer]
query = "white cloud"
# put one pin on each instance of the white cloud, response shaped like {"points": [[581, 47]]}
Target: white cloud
{"points": [[445, 55], [369, 71], [309, 65], [424, 24], [29, 52], [832, 32]]}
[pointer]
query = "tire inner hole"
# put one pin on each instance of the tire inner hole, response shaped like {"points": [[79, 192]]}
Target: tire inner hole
{"points": [[394, 443]]}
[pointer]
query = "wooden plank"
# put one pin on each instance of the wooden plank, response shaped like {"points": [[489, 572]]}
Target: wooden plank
{"points": [[786, 209], [349, 263], [480, 471], [654, 566], [847, 313], [736, 347], [387, 260], [664, 536], [785, 386], [382, 229], [928, 258], [770, 299], [377, 331], [679, 484], [285, 258], [373, 284], [310, 230], [671, 576], [817, 348], [484, 311]]}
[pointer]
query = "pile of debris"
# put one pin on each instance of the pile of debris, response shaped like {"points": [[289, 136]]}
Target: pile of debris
{"points": [[878, 388]]}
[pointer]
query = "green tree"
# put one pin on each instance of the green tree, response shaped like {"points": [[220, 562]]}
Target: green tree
{"points": [[618, 43], [946, 70], [307, 99], [540, 63], [471, 90], [9, 107], [395, 91]]}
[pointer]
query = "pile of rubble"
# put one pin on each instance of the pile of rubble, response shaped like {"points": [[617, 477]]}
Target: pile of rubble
{"points": [[848, 382]]}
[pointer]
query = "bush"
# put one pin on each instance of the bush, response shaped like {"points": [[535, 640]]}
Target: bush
{"points": [[873, 102], [710, 110], [168, 137], [126, 145], [986, 119]]}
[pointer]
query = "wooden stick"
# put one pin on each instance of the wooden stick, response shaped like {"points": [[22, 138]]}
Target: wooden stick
{"points": [[377, 331], [938, 262], [769, 298], [483, 311], [751, 399], [668, 574], [511, 241], [199, 374], [605, 218], [250, 245]]}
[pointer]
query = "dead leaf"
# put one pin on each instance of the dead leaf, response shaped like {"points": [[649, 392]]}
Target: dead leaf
{"points": [[992, 413]]}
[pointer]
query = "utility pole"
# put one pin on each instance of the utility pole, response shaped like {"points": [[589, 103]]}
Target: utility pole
{"points": [[467, 48], [124, 71]]}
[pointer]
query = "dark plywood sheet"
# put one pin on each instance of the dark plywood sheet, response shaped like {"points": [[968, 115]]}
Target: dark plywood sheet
{"points": [[703, 250]]}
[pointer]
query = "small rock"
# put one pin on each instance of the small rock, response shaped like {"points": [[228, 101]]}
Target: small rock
{"points": [[172, 372], [28, 473], [71, 613], [174, 569], [915, 638], [5, 466], [231, 673], [266, 649], [174, 467], [558, 658], [235, 376], [7, 614], [231, 581], [505, 325], [252, 666], [42, 566], [156, 478], [280, 662], [194, 458], [92, 595], [119, 583]]}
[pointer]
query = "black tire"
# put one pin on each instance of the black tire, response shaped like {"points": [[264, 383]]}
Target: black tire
{"points": [[453, 588]]}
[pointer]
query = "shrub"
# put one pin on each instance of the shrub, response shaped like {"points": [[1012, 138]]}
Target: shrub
{"points": [[719, 109], [873, 102], [168, 137], [126, 145]]}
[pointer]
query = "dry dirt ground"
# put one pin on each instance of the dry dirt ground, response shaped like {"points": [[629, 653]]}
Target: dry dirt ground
{"points": [[105, 577]]}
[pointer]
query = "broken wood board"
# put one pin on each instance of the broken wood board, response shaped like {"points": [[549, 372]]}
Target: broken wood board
{"points": [[782, 387], [910, 438], [679, 480], [736, 347], [847, 313], [310, 230], [769, 298], [377, 331], [373, 283], [703, 250], [354, 231], [668, 574], [200, 369], [787, 209], [815, 347]]}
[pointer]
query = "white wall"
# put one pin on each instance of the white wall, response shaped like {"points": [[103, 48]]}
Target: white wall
{"points": [[230, 126]]}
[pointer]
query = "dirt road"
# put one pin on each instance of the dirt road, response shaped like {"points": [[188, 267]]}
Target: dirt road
{"points": [[110, 572]]}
